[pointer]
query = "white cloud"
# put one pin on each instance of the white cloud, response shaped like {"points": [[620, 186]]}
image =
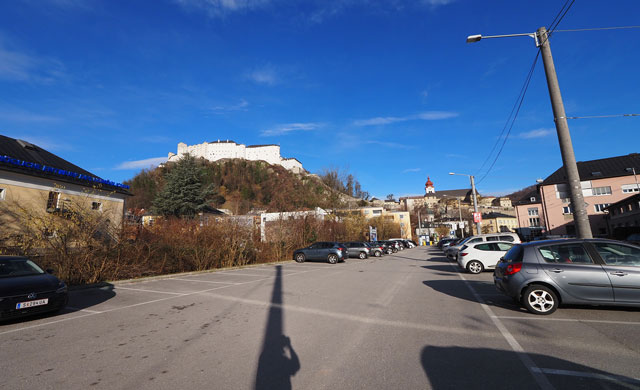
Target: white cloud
{"points": [[266, 75], [241, 106], [16, 65], [392, 145], [45, 143], [317, 11], [426, 116], [142, 164], [217, 8], [538, 133], [411, 170], [291, 127], [18, 115]]}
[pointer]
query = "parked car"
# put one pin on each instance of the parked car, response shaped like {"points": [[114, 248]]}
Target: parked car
{"points": [[544, 274], [387, 249], [634, 239], [445, 241], [452, 250], [404, 243], [395, 246], [479, 257], [358, 249], [376, 249], [332, 252], [25, 289]]}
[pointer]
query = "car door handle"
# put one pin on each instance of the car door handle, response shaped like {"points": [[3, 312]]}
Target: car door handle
{"points": [[619, 273], [557, 270]]}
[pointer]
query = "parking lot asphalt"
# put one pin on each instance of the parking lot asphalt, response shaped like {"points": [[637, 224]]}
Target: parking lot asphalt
{"points": [[410, 320]]}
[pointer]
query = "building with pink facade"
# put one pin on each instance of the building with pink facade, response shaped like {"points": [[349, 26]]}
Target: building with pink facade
{"points": [[604, 182]]}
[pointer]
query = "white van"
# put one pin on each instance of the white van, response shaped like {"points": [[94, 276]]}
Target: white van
{"points": [[452, 251]]}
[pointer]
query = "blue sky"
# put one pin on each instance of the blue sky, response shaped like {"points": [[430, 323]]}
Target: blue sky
{"points": [[387, 90]]}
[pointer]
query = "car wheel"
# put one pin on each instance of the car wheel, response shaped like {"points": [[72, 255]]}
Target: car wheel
{"points": [[475, 267], [362, 255], [539, 299], [300, 258], [377, 253], [395, 250], [333, 258]]}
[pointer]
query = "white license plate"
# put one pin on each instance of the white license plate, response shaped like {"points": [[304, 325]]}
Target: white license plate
{"points": [[39, 302]]}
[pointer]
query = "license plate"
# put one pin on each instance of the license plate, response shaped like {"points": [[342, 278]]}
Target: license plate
{"points": [[39, 302]]}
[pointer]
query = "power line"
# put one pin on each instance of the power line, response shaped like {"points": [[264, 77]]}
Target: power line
{"points": [[560, 14], [600, 116], [554, 24], [598, 28], [515, 116]]}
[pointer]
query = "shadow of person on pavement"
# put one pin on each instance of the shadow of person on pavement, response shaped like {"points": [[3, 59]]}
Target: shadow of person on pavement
{"points": [[275, 368]]}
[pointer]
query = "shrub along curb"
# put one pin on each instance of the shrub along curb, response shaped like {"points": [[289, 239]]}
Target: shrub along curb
{"points": [[168, 276]]}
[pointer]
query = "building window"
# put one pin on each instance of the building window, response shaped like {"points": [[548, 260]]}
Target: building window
{"points": [[401, 216], [567, 210], [627, 188], [377, 212], [53, 201], [597, 191], [562, 191], [532, 199], [533, 211], [2, 192], [96, 206], [600, 207], [534, 222]]}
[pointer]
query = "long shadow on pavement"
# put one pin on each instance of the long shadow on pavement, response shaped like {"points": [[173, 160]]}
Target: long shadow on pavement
{"points": [[275, 368], [472, 368]]}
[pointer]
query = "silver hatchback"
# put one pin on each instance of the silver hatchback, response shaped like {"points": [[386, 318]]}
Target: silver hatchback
{"points": [[544, 274]]}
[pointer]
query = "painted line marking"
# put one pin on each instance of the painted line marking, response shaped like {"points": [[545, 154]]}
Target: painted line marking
{"points": [[84, 310], [351, 317], [150, 291], [174, 295], [518, 318], [538, 375], [200, 281], [593, 375], [242, 274]]}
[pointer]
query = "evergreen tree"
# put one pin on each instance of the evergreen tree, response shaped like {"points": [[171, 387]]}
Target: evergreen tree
{"points": [[183, 193]]}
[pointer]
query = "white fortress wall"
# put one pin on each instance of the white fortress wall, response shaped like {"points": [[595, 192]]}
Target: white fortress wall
{"points": [[218, 150]]}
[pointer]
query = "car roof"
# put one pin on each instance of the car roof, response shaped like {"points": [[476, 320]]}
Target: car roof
{"points": [[570, 240]]}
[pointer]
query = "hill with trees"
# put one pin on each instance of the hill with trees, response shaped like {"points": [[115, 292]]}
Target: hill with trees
{"points": [[240, 185]]}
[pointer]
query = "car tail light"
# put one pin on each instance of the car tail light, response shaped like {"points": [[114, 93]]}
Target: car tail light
{"points": [[340, 249], [513, 268], [463, 254]]}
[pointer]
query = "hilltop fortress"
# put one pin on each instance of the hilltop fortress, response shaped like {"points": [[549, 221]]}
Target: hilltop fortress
{"points": [[217, 150]]}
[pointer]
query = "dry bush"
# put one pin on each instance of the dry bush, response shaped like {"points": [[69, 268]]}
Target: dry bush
{"points": [[83, 247]]}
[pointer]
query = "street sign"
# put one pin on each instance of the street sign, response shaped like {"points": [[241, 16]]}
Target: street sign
{"points": [[477, 217], [373, 234]]}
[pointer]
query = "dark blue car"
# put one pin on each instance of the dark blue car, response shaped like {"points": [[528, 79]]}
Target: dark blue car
{"points": [[25, 289]]}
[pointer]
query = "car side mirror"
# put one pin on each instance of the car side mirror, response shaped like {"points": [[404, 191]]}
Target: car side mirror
{"points": [[49, 271]]}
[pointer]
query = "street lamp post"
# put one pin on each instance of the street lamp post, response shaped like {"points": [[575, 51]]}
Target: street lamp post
{"points": [[475, 198], [580, 217]]}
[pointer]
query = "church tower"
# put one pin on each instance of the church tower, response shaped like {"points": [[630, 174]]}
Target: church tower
{"points": [[428, 187]]}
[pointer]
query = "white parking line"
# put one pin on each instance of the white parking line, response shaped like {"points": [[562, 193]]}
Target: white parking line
{"points": [[520, 318], [151, 291], [84, 310], [618, 379], [242, 274], [200, 281], [174, 295], [537, 374]]}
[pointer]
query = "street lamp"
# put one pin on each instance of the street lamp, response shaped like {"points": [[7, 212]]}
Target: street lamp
{"points": [[475, 199], [580, 217]]}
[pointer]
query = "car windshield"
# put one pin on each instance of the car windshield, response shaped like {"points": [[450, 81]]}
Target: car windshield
{"points": [[18, 267]]}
